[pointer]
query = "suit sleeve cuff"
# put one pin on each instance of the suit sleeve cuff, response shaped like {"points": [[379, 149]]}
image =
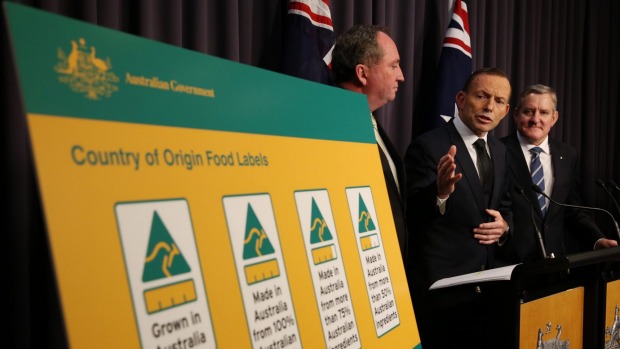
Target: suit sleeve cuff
{"points": [[505, 237]]}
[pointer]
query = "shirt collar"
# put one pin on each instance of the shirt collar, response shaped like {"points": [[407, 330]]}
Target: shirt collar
{"points": [[374, 121], [526, 146], [469, 137]]}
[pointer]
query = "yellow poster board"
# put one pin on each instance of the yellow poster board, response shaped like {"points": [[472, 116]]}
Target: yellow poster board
{"points": [[193, 202]]}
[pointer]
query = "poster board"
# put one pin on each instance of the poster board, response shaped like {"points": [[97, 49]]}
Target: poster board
{"points": [[191, 201]]}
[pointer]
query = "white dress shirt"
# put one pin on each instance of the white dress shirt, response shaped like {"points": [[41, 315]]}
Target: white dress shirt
{"points": [[545, 160]]}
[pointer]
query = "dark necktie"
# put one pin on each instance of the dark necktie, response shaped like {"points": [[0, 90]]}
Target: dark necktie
{"points": [[485, 167], [538, 177]]}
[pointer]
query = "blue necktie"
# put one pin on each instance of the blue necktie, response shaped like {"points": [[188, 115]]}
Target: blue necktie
{"points": [[538, 177]]}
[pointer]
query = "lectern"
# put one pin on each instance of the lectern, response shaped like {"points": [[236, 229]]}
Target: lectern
{"points": [[602, 321], [564, 302]]}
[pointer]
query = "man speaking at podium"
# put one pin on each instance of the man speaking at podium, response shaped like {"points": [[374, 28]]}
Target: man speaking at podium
{"points": [[536, 159], [457, 215]]}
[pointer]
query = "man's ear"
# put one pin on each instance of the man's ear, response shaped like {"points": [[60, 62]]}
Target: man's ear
{"points": [[507, 111], [554, 119], [515, 115], [361, 71], [460, 99]]}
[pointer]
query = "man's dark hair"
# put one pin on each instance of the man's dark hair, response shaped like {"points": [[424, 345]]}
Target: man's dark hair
{"points": [[484, 71], [358, 45]]}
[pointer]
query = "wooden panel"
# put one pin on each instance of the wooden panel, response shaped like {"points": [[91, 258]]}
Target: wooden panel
{"points": [[612, 319], [554, 321]]}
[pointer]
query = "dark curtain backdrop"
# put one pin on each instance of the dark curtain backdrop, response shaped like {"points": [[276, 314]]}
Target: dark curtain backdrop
{"points": [[572, 45]]}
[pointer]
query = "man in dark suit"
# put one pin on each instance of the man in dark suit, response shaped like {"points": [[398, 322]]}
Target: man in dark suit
{"points": [[556, 172], [457, 215], [365, 60]]}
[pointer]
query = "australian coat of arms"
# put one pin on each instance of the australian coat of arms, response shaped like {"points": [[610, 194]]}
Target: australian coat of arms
{"points": [[86, 73], [613, 333], [553, 343]]}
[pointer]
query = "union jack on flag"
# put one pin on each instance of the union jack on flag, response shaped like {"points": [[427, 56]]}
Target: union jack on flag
{"points": [[455, 66], [309, 41]]}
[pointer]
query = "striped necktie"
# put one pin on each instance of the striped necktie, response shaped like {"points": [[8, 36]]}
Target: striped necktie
{"points": [[538, 177]]}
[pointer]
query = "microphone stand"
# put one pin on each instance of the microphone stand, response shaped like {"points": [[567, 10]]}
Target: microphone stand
{"points": [[541, 243], [613, 199], [539, 191]]}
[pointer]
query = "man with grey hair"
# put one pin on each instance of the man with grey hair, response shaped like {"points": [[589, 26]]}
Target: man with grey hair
{"points": [[536, 159]]}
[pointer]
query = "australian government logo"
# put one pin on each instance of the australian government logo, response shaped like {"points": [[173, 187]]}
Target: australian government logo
{"points": [[170, 85], [85, 72]]}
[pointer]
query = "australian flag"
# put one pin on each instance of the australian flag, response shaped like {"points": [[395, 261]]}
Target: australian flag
{"points": [[309, 41], [455, 66]]}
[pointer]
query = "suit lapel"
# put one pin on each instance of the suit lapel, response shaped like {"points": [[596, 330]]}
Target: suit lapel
{"points": [[499, 165], [560, 165], [400, 170], [385, 164], [521, 171]]}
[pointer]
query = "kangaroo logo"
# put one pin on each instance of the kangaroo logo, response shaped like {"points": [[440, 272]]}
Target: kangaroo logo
{"points": [[86, 73]]}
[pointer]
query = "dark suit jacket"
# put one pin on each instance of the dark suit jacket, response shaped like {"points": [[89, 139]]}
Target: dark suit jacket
{"points": [[559, 221], [443, 245], [396, 199]]}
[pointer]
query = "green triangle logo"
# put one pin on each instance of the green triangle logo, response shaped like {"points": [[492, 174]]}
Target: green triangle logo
{"points": [[365, 220], [256, 243], [319, 231], [163, 257]]}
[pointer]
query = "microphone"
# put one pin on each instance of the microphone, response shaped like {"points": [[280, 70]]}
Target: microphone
{"points": [[613, 199], [614, 185], [541, 243], [539, 191]]}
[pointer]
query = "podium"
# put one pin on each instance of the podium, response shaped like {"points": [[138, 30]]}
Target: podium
{"points": [[564, 302], [606, 292]]}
